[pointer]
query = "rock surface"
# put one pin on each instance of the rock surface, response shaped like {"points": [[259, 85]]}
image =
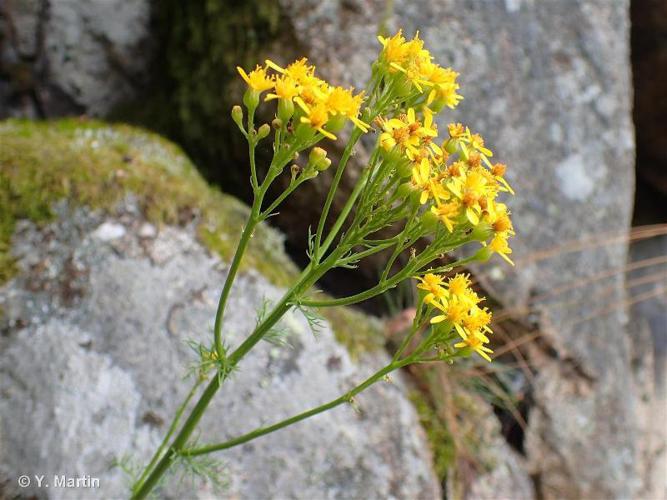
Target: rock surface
{"points": [[548, 84], [95, 325], [63, 57]]}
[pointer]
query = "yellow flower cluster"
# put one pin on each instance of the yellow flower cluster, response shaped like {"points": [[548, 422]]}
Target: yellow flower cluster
{"points": [[457, 177], [458, 304], [410, 58], [323, 107]]}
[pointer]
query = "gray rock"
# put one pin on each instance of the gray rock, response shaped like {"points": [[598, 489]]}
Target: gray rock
{"points": [[65, 57], [96, 378], [548, 85]]}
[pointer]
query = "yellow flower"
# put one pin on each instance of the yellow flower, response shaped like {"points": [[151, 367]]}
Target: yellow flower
{"points": [[299, 70], [286, 88], [394, 49], [444, 87], [407, 132], [421, 179], [447, 213], [458, 284], [343, 102], [498, 218], [500, 246], [477, 143], [432, 283], [455, 311], [317, 117], [478, 320], [257, 79], [474, 191], [456, 130], [498, 171], [476, 344]]}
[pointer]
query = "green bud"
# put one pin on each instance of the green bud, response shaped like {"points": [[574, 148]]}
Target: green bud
{"points": [[326, 163], [277, 123], [451, 146], [483, 254], [336, 123], [316, 154], [481, 232], [437, 105], [263, 131], [304, 133], [429, 220], [404, 190], [237, 116], [285, 109], [404, 169], [251, 99], [317, 159]]}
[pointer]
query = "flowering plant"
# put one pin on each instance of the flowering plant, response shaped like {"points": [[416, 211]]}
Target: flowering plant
{"points": [[414, 188]]}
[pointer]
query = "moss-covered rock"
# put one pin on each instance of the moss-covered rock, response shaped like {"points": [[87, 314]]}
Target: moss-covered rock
{"points": [[96, 164]]}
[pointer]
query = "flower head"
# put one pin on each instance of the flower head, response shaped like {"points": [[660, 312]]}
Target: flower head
{"points": [[257, 79]]}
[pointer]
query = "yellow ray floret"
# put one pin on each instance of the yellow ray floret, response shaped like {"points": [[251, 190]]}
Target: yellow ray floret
{"points": [[257, 79]]}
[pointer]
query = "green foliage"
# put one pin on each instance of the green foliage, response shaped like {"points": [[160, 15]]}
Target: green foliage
{"points": [[190, 470]]}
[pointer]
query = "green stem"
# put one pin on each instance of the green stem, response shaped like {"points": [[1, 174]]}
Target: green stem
{"points": [[345, 398], [290, 189], [170, 432], [347, 152], [233, 269], [345, 211], [307, 277], [179, 442]]}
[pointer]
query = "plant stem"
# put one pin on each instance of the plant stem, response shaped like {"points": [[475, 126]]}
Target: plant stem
{"points": [[233, 269], [356, 134], [179, 442], [170, 432], [297, 418], [307, 276]]}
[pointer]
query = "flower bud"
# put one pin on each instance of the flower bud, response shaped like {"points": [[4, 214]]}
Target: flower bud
{"points": [[404, 190], [263, 131], [285, 109], [237, 116], [451, 146], [277, 123], [251, 99], [481, 232], [429, 220], [295, 169], [483, 254], [304, 133], [336, 123], [317, 160], [404, 169]]}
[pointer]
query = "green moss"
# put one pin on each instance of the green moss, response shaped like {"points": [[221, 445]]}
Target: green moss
{"points": [[437, 432], [94, 164]]}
